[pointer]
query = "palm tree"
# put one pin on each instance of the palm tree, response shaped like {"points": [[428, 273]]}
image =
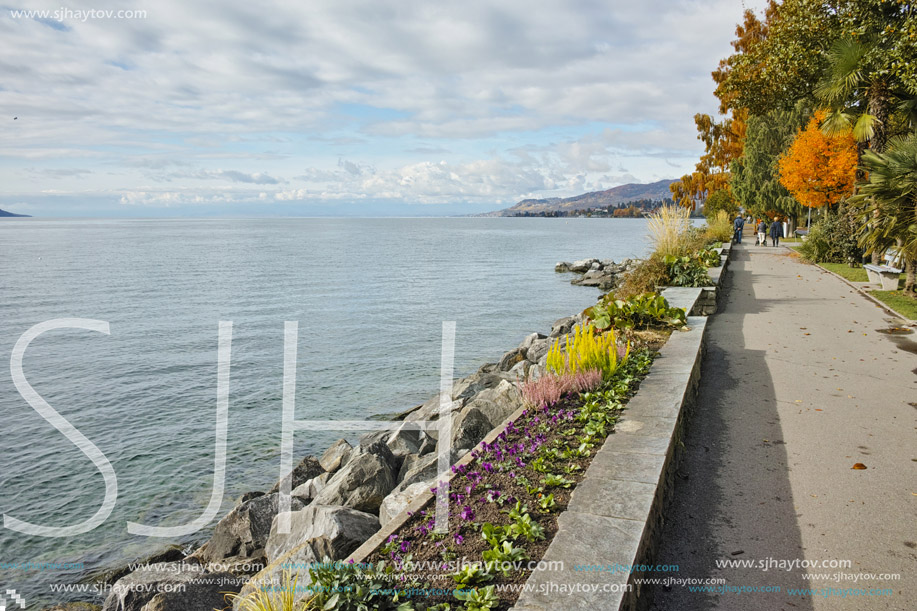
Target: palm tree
{"points": [[891, 190], [859, 95]]}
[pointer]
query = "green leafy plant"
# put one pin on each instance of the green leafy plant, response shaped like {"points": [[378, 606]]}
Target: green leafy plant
{"points": [[478, 599], [494, 535], [637, 312], [552, 480], [546, 503], [504, 555], [687, 271], [472, 574], [708, 257], [356, 587]]}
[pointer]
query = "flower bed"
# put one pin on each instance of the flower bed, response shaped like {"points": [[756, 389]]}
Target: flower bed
{"points": [[503, 504]]}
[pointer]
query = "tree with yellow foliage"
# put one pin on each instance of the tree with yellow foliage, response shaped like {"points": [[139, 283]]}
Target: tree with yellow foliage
{"points": [[819, 170]]}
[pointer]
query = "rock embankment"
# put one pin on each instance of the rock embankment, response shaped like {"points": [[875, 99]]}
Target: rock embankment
{"points": [[340, 499], [603, 274]]}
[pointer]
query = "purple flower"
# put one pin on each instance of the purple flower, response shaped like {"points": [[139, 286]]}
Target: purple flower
{"points": [[493, 495], [488, 467], [459, 539], [519, 462], [405, 545], [391, 538], [467, 513], [511, 474]]}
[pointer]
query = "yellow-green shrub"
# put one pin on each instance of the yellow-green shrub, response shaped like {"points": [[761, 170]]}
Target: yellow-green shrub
{"points": [[719, 228], [585, 350]]}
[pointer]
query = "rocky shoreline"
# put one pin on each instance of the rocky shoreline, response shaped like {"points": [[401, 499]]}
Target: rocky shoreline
{"points": [[343, 497], [603, 274]]}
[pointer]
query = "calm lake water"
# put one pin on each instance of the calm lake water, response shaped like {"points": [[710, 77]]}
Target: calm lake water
{"points": [[370, 296]]}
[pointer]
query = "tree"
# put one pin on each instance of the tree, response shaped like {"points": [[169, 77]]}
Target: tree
{"points": [[779, 59], [887, 202], [818, 169], [723, 143], [720, 200], [871, 69], [755, 177]]}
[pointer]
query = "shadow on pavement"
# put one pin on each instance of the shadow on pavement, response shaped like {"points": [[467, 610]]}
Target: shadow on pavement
{"points": [[733, 450]]}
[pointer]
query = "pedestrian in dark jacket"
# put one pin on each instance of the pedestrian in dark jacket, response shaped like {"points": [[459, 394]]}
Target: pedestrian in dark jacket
{"points": [[738, 225], [776, 232]]}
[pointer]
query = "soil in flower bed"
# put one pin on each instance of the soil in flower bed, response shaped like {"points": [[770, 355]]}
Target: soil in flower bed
{"points": [[502, 473]]}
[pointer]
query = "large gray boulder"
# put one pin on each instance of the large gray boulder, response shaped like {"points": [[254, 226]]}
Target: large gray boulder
{"points": [[344, 528], [311, 488], [475, 383], [582, 265], [366, 479], [430, 410], [336, 456], [403, 442], [509, 360], [539, 349], [244, 530], [469, 428], [397, 501], [175, 586], [424, 468], [529, 340], [562, 326], [308, 468], [498, 403]]}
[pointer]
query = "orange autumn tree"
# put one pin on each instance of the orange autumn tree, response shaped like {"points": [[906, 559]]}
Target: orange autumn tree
{"points": [[819, 170]]}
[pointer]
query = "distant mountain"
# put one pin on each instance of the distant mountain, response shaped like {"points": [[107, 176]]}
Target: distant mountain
{"points": [[5, 213], [595, 199]]}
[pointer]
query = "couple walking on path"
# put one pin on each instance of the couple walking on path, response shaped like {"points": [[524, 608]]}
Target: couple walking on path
{"points": [[775, 233]]}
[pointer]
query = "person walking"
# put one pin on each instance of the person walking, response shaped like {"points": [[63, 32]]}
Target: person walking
{"points": [[776, 232], [738, 225], [762, 232]]}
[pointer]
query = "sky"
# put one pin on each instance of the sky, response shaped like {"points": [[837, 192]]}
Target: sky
{"points": [[347, 107]]}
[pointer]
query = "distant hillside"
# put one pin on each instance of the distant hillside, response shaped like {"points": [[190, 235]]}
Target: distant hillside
{"points": [[5, 213], [596, 199]]}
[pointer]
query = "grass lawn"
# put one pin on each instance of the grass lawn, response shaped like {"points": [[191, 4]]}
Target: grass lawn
{"points": [[853, 274], [903, 304]]}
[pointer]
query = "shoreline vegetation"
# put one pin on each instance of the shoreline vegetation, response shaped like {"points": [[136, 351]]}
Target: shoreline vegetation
{"points": [[567, 388]]}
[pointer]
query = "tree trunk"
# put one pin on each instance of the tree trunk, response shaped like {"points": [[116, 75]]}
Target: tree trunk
{"points": [[910, 267], [877, 105]]}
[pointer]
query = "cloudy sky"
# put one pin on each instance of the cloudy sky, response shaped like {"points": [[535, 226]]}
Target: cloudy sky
{"points": [[359, 107]]}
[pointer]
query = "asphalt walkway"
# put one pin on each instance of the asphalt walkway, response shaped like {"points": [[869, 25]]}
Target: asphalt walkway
{"points": [[799, 384]]}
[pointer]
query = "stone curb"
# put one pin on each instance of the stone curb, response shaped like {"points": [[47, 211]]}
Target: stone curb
{"points": [[637, 457], [615, 515]]}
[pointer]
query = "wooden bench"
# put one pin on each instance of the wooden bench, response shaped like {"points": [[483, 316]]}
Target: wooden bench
{"points": [[886, 275]]}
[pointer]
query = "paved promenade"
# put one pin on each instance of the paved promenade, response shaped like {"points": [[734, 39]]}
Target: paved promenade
{"points": [[798, 386]]}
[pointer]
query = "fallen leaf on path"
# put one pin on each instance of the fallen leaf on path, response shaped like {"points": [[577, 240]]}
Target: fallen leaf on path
{"points": [[798, 401], [858, 466], [819, 410]]}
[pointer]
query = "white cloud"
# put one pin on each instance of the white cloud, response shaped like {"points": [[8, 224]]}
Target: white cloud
{"points": [[421, 101]]}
